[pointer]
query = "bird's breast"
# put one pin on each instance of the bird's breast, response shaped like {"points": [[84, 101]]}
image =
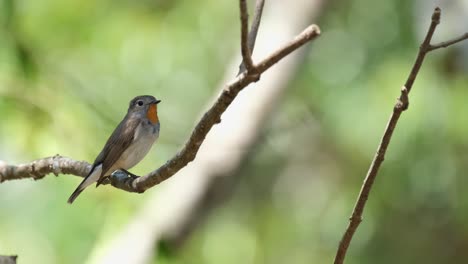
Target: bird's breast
{"points": [[145, 136]]}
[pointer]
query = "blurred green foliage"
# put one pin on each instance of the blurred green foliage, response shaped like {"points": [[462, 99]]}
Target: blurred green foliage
{"points": [[69, 68]]}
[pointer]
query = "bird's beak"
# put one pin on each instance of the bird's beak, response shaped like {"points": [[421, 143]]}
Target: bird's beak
{"points": [[156, 102]]}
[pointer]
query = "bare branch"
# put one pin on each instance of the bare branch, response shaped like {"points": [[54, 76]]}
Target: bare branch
{"points": [[448, 42], [37, 169], [400, 106], [187, 154], [255, 24], [253, 30], [246, 51], [308, 34]]}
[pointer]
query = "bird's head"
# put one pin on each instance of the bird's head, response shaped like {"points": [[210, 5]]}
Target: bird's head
{"points": [[147, 105]]}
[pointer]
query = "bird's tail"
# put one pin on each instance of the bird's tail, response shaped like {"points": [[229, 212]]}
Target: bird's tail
{"points": [[75, 194], [92, 177]]}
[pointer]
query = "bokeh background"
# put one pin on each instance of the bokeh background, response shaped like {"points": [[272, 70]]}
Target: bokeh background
{"points": [[69, 68]]}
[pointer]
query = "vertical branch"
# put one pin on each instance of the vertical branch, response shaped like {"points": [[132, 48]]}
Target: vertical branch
{"points": [[246, 54], [400, 106], [253, 30], [255, 24]]}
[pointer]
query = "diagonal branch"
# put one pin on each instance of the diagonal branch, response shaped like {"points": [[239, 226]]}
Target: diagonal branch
{"points": [[212, 117], [400, 106], [309, 33], [62, 165], [448, 42], [206, 188]]}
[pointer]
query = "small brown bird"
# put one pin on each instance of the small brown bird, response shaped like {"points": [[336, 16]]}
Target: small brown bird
{"points": [[128, 144]]}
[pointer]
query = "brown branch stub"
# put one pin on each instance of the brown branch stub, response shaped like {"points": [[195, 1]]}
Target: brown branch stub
{"points": [[63, 165], [403, 101], [400, 106], [436, 16]]}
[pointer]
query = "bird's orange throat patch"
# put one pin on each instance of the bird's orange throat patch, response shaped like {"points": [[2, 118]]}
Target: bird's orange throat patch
{"points": [[152, 114]]}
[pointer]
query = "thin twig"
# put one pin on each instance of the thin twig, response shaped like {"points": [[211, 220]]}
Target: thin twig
{"points": [[255, 24], [309, 33], [62, 165], [246, 53], [448, 43], [400, 106], [253, 30]]}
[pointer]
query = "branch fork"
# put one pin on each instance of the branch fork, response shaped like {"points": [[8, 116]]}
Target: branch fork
{"points": [[248, 73], [400, 106]]}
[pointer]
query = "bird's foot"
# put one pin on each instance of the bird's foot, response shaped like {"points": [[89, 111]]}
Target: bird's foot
{"points": [[131, 175]]}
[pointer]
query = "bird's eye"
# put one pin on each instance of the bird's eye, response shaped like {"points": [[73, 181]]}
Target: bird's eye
{"points": [[139, 102]]}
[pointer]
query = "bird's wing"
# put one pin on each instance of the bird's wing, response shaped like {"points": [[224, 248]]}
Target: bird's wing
{"points": [[117, 143]]}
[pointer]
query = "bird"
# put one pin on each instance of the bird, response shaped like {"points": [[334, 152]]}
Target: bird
{"points": [[128, 144]]}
